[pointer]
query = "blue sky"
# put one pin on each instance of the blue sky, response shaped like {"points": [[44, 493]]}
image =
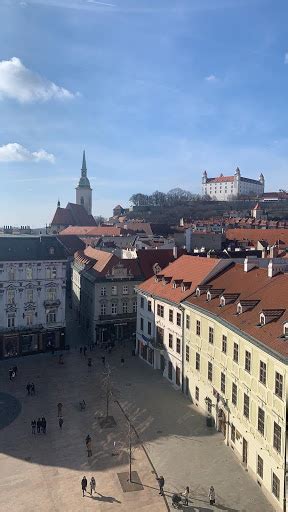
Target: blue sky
{"points": [[156, 91]]}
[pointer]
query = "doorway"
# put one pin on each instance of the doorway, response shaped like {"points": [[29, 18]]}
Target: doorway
{"points": [[177, 376], [162, 363], [187, 393]]}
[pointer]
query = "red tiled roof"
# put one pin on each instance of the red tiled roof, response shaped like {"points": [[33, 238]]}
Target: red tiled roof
{"points": [[254, 235], [139, 227], [186, 268], [71, 243], [148, 258], [103, 262], [94, 231], [266, 294], [72, 215]]}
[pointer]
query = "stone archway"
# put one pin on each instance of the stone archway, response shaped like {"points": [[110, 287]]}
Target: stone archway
{"points": [[222, 422]]}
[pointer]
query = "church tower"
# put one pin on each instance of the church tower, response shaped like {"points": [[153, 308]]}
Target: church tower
{"points": [[84, 191]]}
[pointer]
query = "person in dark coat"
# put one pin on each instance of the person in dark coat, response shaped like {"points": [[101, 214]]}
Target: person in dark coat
{"points": [[43, 425], [85, 350], [32, 389], [11, 372], [28, 387], [161, 483], [39, 424], [33, 426], [60, 423], [59, 407], [84, 485]]}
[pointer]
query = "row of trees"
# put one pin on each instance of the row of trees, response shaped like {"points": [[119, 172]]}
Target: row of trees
{"points": [[174, 197]]}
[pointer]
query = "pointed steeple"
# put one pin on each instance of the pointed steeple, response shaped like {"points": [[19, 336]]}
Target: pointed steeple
{"points": [[58, 204], [84, 168]]}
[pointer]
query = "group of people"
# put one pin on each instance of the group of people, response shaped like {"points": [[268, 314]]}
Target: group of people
{"points": [[177, 498], [84, 484], [30, 388], [13, 372], [40, 424]]}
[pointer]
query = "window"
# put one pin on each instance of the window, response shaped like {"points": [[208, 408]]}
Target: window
{"points": [[134, 307], [260, 466], [50, 317], [233, 433], [159, 335], [141, 324], [29, 318], [103, 291], [114, 291], [51, 293], [187, 322], [236, 353], [54, 272], [125, 307], [234, 394], [149, 328], [209, 405], [149, 305], [11, 296], [197, 393], [11, 274], [170, 370], [211, 335], [210, 371], [223, 382], [103, 309], [29, 295], [170, 315], [142, 302], [277, 437], [114, 308], [160, 310], [261, 421], [275, 486], [178, 345], [125, 289], [278, 384], [262, 373], [29, 272], [11, 321], [224, 344], [198, 327], [247, 361], [187, 353], [197, 363], [246, 406], [170, 340], [178, 319]]}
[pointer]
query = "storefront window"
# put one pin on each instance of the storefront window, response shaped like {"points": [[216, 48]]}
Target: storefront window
{"points": [[10, 346], [29, 343]]}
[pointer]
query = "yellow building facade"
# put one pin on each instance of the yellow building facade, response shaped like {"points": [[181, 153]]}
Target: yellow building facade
{"points": [[242, 387]]}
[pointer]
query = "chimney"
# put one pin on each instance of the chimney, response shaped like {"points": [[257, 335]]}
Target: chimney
{"points": [[175, 252], [249, 263]]}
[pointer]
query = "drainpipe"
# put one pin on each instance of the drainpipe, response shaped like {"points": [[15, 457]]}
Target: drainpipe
{"points": [[183, 347]]}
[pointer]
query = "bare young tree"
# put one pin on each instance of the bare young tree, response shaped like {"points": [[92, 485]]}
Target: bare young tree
{"points": [[107, 386]]}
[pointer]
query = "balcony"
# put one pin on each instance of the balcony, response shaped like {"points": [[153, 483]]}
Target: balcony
{"points": [[122, 316], [155, 342], [52, 303]]}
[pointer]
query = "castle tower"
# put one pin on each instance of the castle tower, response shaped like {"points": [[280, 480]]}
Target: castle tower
{"points": [[83, 190]]}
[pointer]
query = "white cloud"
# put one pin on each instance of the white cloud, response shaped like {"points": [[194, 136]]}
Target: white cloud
{"points": [[286, 58], [15, 152], [20, 83], [211, 78], [100, 3]]}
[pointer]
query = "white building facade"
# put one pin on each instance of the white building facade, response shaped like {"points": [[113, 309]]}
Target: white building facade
{"points": [[32, 295], [225, 188]]}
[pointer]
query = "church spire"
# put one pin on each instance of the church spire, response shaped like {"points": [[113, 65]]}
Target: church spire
{"points": [[84, 168]]}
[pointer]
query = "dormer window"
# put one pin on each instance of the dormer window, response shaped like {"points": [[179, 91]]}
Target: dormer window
{"points": [[208, 296], [262, 319], [269, 315], [239, 309], [285, 330], [222, 302], [198, 293]]}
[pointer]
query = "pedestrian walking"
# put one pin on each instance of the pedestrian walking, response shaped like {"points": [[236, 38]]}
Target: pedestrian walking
{"points": [[122, 361], [33, 426], [59, 407], [28, 387], [84, 485], [38, 426], [89, 362], [80, 350], [15, 370], [60, 423], [43, 425], [85, 350], [11, 374], [211, 495], [32, 389], [186, 496], [161, 483], [92, 485], [89, 448], [103, 360]]}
